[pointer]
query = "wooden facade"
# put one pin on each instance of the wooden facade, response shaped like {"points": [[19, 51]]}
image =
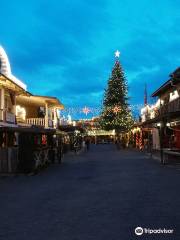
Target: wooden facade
{"points": [[164, 116], [29, 135]]}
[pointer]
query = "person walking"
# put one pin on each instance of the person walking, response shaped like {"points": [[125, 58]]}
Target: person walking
{"points": [[87, 142], [75, 146], [83, 145]]}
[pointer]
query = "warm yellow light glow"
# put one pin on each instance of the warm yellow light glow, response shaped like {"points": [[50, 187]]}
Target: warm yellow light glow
{"points": [[135, 130], [21, 112], [174, 95]]}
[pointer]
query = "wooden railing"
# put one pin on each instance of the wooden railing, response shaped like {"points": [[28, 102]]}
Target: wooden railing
{"points": [[174, 106], [6, 116], [39, 122], [10, 117], [171, 107], [165, 109], [36, 121]]}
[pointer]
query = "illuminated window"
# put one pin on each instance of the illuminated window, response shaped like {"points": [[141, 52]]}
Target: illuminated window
{"points": [[173, 95]]}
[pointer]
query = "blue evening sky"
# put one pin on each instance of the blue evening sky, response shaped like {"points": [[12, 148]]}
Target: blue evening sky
{"points": [[65, 48]]}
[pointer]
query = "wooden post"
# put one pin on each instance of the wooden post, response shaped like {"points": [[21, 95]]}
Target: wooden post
{"points": [[2, 98], [55, 118], [46, 116], [161, 142], [161, 133], [2, 102], [14, 105]]}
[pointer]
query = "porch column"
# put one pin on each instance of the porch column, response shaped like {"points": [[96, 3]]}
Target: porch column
{"points": [[2, 102], [55, 117], [46, 116], [14, 105], [2, 99]]}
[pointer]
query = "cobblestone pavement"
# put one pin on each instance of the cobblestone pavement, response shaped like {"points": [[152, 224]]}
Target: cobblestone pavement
{"points": [[100, 195]]}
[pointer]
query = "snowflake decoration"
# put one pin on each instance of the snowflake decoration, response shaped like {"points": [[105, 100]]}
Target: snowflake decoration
{"points": [[86, 110], [116, 109]]}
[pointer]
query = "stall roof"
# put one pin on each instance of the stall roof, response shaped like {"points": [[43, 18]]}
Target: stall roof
{"points": [[27, 130], [69, 128]]}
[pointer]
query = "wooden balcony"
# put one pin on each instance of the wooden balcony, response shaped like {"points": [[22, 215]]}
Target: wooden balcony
{"points": [[39, 122], [36, 121], [174, 106], [169, 108]]}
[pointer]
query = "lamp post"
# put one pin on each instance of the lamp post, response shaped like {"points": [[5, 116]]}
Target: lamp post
{"points": [[161, 129], [161, 141]]}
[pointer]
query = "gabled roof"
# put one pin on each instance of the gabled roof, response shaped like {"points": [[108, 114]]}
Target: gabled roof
{"points": [[7, 82], [176, 73], [175, 78]]}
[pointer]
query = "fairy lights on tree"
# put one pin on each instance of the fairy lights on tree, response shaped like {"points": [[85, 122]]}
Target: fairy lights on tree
{"points": [[116, 113]]}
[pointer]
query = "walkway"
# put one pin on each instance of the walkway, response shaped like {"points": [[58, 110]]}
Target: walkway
{"points": [[100, 195]]}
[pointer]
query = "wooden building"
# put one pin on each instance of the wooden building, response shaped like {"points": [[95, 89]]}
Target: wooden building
{"points": [[18, 107], [163, 118], [29, 135]]}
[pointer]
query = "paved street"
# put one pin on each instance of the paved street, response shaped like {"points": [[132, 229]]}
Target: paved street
{"points": [[100, 195]]}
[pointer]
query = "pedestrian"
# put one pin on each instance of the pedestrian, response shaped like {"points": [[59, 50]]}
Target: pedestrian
{"points": [[75, 145], [83, 145], [87, 144]]}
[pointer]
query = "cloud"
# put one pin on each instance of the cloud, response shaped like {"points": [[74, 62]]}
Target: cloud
{"points": [[65, 48]]}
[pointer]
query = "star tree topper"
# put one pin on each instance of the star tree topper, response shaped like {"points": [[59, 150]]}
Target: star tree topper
{"points": [[117, 54]]}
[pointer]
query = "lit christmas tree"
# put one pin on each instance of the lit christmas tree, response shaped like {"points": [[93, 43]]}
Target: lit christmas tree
{"points": [[116, 113]]}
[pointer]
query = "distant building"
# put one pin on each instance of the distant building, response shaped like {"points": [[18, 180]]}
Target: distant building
{"points": [[93, 130]]}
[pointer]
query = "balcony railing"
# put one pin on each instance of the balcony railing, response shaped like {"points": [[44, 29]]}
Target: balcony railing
{"points": [[7, 117], [174, 106], [10, 117], [39, 122], [171, 107], [164, 110], [36, 121]]}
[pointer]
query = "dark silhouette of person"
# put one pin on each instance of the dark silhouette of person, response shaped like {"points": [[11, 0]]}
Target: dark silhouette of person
{"points": [[87, 142]]}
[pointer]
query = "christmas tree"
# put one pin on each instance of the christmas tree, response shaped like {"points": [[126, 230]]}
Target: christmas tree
{"points": [[115, 112]]}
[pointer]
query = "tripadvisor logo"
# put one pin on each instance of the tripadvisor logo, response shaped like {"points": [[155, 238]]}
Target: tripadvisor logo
{"points": [[139, 231]]}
